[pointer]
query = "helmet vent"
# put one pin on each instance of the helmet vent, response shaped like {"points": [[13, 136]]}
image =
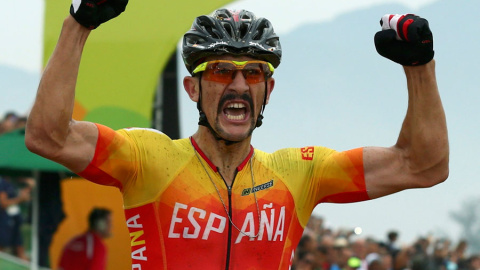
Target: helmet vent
{"points": [[192, 40], [245, 16], [222, 14], [273, 42], [228, 29], [243, 30], [261, 29], [212, 33]]}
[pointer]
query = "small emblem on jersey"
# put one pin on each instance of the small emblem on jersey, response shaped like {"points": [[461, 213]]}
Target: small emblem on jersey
{"points": [[307, 153], [247, 191]]}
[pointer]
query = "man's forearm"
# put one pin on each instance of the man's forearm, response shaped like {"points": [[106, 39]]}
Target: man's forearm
{"points": [[424, 134], [51, 114]]}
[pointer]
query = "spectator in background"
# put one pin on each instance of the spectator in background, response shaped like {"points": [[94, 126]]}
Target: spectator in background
{"points": [[474, 262], [321, 258], [10, 215], [394, 250], [305, 261], [360, 251], [12, 121], [341, 247], [88, 251], [331, 262], [306, 245], [403, 258], [420, 258], [314, 227], [392, 243], [21, 122], [9, 122], [372, 249], [440, 254], [459, 256]]}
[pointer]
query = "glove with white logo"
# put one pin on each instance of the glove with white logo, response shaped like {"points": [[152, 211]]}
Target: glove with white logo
{"points": [[405, 39], [92, 13]]}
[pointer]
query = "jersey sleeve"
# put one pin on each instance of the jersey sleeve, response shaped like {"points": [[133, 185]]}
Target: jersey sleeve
{"points": [[339, 177], [328, 176], [316, 174], [115, 161]]}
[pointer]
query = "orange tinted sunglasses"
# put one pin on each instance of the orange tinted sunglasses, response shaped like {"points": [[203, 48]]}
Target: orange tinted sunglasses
{"points": [[223, 71]]}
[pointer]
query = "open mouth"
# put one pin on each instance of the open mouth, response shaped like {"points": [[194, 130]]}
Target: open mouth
{"points": [[236, 111]]}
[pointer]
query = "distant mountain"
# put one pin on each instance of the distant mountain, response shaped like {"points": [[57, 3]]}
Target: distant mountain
{"points": [[17, 89]]}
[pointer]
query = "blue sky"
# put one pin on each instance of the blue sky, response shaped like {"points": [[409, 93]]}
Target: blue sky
{"points": [[21, 49]]}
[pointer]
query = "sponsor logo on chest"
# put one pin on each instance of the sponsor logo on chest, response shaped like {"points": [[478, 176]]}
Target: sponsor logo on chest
{"points": [[247, 191]]}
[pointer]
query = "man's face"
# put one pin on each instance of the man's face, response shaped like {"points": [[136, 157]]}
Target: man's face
{"points": [[105, 230], [232, 108]]}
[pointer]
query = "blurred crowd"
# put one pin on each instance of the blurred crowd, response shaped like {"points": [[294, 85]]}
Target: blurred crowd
{"points": [[326, 249]]}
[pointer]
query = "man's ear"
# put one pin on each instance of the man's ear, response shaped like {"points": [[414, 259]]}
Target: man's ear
{"points": [[270, 86], [191, 85]]}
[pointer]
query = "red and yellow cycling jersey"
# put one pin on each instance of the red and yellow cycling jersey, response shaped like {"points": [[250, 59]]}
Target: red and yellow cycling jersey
{"points": [[177, 220]]}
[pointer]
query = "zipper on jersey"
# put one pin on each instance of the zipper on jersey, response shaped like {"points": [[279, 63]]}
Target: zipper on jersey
{"points": [[230, 212], [229, 242]]}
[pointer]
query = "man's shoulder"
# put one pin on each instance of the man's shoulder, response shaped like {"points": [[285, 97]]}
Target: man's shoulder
{"points": [[83, 237], [150, 135], [77, 242], [142, 131]]}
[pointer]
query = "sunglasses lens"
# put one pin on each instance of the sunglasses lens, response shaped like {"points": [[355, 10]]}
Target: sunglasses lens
{"points": [[219, 72], [254, 72], [224, 72]]}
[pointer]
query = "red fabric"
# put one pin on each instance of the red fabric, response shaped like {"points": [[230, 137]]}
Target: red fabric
{"points": [[105, 138], [405, 28], [84, 252]]}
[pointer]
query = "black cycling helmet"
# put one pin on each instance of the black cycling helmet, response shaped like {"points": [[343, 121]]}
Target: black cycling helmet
{"points": [[231, 32]]}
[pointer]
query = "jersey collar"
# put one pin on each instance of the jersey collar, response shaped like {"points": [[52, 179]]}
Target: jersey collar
{"points": [[210, 163]]}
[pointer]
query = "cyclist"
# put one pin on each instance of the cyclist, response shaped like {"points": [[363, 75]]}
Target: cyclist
{"points": [[212, 200]]}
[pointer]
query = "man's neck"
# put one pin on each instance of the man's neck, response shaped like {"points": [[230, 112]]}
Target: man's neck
{"points": [[226, 156]]}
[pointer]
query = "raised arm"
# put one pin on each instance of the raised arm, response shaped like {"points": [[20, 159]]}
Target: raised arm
{"points": [[420, 156], [51, 132]]}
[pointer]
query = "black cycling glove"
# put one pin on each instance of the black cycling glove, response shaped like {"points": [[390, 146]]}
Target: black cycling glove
{"points": [[92, 13], [405, 39]]}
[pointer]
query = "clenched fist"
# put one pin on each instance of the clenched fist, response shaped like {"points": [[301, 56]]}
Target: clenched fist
{"points": [[405, 39], [92, 13]]}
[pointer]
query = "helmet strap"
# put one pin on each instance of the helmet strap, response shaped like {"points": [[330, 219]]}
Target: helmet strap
{"points": [[260, 115]]}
